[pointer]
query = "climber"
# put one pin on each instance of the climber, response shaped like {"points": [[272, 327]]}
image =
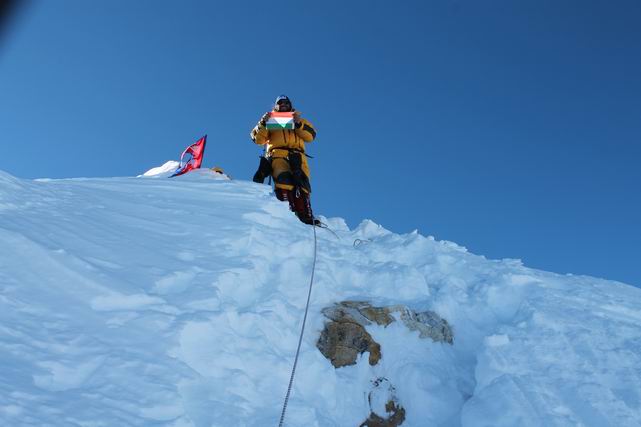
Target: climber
{"points": [[285, 157]]}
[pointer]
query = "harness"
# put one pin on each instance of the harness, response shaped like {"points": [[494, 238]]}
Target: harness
{"points": [[293, 150]]}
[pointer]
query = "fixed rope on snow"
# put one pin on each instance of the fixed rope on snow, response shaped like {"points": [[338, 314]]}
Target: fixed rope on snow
{"points": [[359, 242], [326, 227], [300, 338]]}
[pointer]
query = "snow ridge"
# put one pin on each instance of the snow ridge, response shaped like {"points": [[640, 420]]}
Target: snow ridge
{"points": [[177, 302]]}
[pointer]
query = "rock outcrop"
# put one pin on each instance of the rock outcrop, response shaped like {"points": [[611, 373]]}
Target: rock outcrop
{"points": [[342, 341], [345, 337], [429, 324], [385, 411]]}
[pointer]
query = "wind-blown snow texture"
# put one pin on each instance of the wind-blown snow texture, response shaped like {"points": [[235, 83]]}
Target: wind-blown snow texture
{"points": [[178, 302]]}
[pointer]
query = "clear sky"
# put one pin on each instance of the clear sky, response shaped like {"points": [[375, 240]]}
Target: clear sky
{"points": [[510, 127]]}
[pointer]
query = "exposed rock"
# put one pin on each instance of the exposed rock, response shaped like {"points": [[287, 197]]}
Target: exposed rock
{"points": [[345, 337], [342, 341], [396, 418], [379, 315], [361, 312], [429, 324], [347, 311], [385, 411]]}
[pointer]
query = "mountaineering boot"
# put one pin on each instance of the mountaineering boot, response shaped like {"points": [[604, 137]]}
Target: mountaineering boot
{"points": [[286, 195], [280, 194], [304, 208], [298, 203]]}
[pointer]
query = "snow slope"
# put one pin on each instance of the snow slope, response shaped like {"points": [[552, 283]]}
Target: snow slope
{"points": [[178, 302]]}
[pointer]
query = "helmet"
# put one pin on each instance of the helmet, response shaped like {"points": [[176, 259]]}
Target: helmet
{"points": [[283, 99]]}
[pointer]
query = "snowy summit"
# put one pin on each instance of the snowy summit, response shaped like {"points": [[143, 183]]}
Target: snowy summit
{"points": [[178, 302]]}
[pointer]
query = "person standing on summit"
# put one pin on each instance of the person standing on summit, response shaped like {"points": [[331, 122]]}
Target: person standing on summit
{"points": [[285, 157]]}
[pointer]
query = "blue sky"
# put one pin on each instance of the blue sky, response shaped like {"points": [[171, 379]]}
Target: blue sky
{"points": [[511, 128]]}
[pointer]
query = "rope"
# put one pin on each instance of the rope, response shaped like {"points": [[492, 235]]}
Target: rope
{"points": [[300, 339], [326, 227], [359, 242]]}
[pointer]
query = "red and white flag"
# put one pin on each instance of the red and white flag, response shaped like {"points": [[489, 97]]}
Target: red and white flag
{"points": [[196, 151]]}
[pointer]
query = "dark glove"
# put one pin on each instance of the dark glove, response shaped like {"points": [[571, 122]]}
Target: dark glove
{"points": [[297, 120], [263, 120]]}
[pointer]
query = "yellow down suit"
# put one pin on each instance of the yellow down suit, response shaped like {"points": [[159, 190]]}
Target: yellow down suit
{"points": [[280, 143]]}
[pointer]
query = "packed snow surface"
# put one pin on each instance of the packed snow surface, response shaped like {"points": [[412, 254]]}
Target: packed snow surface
{"points": [[178, 302]]}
